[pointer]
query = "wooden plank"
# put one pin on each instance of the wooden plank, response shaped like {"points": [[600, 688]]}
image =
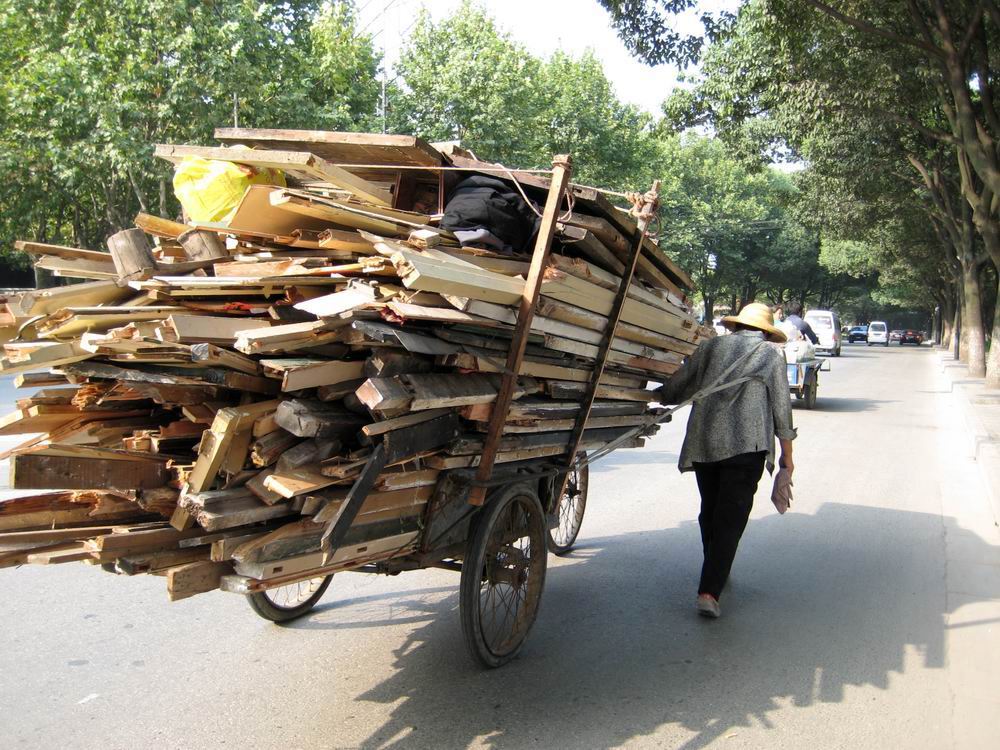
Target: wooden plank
{"points": [[78, 269], [45, 301], [331, 305], [196, 329], [210, 355], [240, 513], [298, 374], [295, 162], [339, 214], [44, 356], [473, 361], [216, 442], [290, 483], [338, 147], [431, 275], [407, 420], [319, 563], [317, 419], [39, 379], [187, 580], [40, 471], [562, 168], [62, 251]]}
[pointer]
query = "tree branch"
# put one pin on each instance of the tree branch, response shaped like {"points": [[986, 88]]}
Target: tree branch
{"points": [[872, 30], [973, 30]]}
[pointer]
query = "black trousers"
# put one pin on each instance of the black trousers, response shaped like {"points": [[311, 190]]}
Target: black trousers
{"points": [[727, 489]]}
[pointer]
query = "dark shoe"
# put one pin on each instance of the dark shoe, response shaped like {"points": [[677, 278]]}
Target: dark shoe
{"points": [[708, 606]]}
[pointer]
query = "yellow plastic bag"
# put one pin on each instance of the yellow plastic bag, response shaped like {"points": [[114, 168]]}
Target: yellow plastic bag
{"points": [[211, 190]]}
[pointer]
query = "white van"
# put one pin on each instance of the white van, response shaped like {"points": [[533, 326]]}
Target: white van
{"points": [[826, 326], [878, 333]]}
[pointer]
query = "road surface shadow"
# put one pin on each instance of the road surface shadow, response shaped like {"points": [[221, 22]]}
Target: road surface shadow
{"points": [[827, 404], [817, 604]]}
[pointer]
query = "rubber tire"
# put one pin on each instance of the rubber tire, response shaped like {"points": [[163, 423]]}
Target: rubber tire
{"points": [[472, 566], [560, 550], [263, 606], [810, 397]]}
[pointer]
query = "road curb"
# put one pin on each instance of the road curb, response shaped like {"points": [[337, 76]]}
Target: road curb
{"points": [[984, 444]]}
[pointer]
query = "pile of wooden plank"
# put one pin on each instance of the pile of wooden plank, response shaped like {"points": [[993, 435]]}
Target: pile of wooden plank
{"points": [[206, 396]]}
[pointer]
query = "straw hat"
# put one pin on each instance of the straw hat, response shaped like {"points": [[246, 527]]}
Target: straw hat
{"points": [[759, 316]]}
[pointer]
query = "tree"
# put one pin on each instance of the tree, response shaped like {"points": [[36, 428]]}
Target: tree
{"points": [[465, 80], [89, 87], [788, 77]]}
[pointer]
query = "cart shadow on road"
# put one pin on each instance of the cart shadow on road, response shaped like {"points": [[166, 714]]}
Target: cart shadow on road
{"points": [[846, 405], [818, 604]]}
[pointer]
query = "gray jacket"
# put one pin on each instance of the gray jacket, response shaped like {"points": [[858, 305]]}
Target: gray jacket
{"points": [[742, 419]]}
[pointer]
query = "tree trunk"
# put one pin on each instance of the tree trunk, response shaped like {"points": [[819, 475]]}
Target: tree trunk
{"points": [[956, 330], [973, 333], [709, 309], [993, 359], [163, 197]]}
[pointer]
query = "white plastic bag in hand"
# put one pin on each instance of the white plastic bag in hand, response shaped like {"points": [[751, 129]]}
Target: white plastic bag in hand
{"points": [[781, 495]]}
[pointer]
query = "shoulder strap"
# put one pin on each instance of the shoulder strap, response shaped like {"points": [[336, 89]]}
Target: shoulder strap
{"points": [[718, 385]]}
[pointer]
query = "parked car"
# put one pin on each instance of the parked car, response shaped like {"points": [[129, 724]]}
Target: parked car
{"points": [[895, 335], [911, 337], [858, 333], [826, 326], [878, 333]]}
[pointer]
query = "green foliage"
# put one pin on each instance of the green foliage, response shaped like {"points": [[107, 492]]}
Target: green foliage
{"points": [[467, 81], [88, 88]]}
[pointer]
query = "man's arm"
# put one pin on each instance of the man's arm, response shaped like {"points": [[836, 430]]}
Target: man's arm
{"points": [[683, 383], [785, 461], [809, 333]]}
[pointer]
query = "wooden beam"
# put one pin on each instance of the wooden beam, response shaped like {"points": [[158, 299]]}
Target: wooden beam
{"points": [[562, 168]]}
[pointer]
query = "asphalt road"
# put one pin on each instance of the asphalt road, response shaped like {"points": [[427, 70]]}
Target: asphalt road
{"points": [[866, 617]]}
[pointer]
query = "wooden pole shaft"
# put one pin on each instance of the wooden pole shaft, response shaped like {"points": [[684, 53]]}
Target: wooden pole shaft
{"points": [[561, 171], [614, 317]]}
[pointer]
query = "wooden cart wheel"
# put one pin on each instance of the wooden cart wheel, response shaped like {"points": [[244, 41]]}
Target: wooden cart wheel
{"points": [[569, 512], [284, 603], [503, 574]]}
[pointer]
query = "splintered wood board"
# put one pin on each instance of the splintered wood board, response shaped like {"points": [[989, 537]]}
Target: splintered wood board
{"points": [[297, 163], [338, 147], [297, 374], [44, 301]]}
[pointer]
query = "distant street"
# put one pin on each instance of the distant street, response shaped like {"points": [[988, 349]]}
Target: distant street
{"points": [[866, 617]]}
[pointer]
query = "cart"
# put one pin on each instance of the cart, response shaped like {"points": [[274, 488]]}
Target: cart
{"points": [[803, 380], [493, 527]]}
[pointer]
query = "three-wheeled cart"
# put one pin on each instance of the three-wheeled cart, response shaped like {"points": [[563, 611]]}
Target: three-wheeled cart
{"points": [[803, 380], [494, 527]]}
